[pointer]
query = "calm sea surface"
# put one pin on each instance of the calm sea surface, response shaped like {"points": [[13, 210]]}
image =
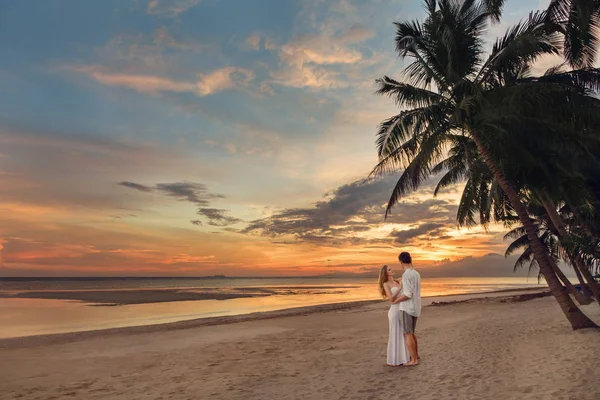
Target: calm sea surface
{"points": [[25, 317]]}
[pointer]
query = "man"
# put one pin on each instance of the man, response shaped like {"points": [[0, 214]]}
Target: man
{"points": [[410, 305]]}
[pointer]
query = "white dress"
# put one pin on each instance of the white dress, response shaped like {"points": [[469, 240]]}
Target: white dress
{"points": [[397, 352]]}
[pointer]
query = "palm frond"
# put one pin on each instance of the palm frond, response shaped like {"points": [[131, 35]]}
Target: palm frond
{"points": [[495, 8], [581, 33], [525, 257], [467, 207], [587, 78], [394, 131], [419, 169], [411, 42], [515, 233], [406, 95], [520, 46], [520, 242], [397, 160], [450, 178]]}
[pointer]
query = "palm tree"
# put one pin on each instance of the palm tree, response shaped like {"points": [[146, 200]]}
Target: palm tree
{"points": [[521, 242], [579, 23], [554, 244], [481, 195], [574, 254], [453, 90]]}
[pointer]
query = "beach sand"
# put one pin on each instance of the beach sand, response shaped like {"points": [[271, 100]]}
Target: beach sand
{"points": [[486, 348]]}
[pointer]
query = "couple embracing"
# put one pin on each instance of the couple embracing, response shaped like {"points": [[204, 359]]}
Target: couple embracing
{"points": [[405, 297]]}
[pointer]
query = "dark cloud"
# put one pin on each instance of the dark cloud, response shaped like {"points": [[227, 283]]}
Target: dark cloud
{"points": [[196, 193], [430, 230], [193, 192], [218, 217], [136, 186], [350, 209]]}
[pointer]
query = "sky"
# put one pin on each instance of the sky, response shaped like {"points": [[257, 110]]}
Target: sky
{"points": [[201, 137]]}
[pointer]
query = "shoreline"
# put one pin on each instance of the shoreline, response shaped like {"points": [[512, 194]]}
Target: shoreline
{"points": [[132, 296], [54, 338]]}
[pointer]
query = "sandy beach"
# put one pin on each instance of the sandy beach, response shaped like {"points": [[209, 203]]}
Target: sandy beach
{"points": [[483, 348]]}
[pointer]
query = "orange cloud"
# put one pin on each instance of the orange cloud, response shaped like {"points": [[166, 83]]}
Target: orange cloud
{"points": [[206, 84], [305, 58]]}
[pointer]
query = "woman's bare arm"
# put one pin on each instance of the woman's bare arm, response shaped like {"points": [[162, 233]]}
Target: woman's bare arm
{"points": [[388, 292], [395, 299]]}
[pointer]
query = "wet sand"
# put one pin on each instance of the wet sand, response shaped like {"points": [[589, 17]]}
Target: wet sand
{"points": [[122, 297], [145, 296]]}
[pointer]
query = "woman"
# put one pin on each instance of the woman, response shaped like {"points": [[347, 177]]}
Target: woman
{"points": [[397, 352]]}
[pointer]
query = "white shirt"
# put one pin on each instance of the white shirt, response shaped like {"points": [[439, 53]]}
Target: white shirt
{"points": [[411, 288]]}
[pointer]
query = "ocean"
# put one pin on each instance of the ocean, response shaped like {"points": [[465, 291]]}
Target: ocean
{"points": [[31, 306]]}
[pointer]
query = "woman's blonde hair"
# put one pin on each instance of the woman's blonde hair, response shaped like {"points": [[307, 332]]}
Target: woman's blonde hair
{"points": [[382, 280]]}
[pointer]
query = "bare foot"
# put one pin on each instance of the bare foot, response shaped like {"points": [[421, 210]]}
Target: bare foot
{"points": [[412, 363]]}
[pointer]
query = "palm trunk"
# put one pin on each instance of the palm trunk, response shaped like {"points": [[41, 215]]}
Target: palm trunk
{"points": [[580, 297], [578, 266], [591, 281], [577, 318], [585, 288]]}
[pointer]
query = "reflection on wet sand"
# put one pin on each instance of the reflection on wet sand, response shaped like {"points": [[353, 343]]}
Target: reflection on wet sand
{"points": [[143, 296]]}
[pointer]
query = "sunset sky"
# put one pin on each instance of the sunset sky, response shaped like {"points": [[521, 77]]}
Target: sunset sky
{"points": [[200, 137]]}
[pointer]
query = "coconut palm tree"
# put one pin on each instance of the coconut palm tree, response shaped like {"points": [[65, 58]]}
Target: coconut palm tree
{"points": [[482, 196], [556, 248], [579, 23], [453, 90], [573, 248]]}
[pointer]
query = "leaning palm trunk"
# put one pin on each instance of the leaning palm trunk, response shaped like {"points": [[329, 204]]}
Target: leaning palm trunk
{"points": [[580, 269], [575, 316], [590, 279], [581, 298]]}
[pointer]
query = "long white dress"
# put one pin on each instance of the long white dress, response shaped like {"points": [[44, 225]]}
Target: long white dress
{"points": [[397, 352]]}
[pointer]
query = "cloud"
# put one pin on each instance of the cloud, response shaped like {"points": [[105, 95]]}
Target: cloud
{"points": [[218, 217], [193, 192], [222, 79], [355, 34], [308, 76], [170, 8], [429, 229], [136, 186], [349, 214], [196, 193], [253, 41], [323, 48], [206, 84], [307, 60]]}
